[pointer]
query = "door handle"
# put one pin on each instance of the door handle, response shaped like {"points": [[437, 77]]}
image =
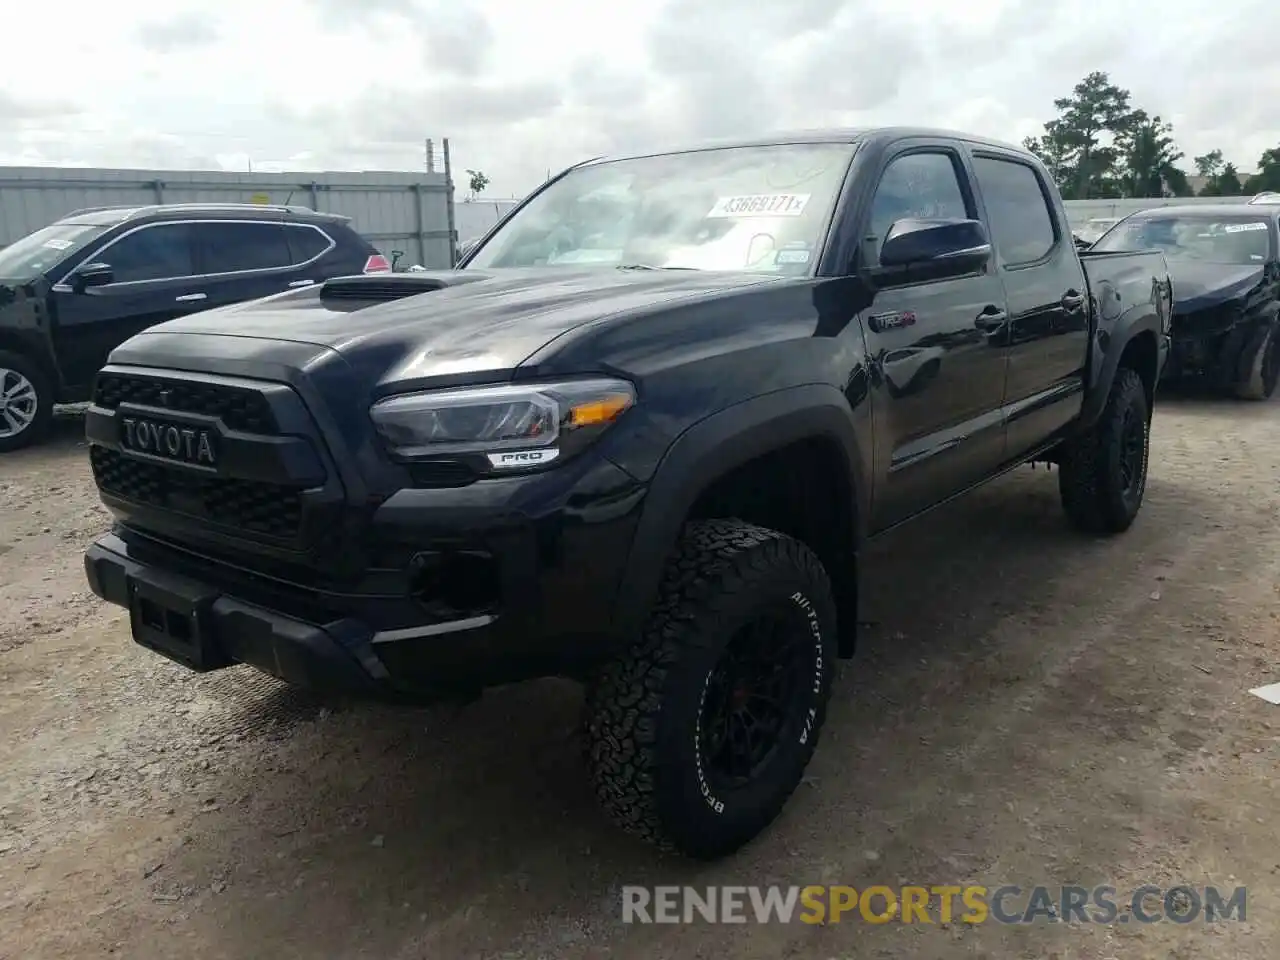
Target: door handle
{"points": [[301, 283], [992, 318], [1072, 301], [190, 297]]}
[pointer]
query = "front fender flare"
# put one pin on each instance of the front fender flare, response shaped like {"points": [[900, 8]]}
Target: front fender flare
{"points": [[713, 447]]}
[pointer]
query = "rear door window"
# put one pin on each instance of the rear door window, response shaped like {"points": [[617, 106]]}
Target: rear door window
{"points": [[160, 252], [305, 243], [235, 247], [1022, 224]]}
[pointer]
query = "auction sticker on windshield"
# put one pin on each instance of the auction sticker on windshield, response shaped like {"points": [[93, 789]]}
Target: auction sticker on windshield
{"points": [[1242, 227], [760, 205]]}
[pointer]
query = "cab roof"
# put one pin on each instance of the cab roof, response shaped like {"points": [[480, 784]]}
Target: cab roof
{"points": [[848, 135]]}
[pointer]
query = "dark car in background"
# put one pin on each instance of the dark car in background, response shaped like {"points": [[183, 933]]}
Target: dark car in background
{"points": [[1224, 260], [73, 291]]}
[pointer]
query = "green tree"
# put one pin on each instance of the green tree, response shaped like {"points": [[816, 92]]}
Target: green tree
{"points": [[1268, 175], [1078, 145], [1148, 158], [1056, 157], [477, 183], [1087, 120], [1225, 183], [1209, 165]]}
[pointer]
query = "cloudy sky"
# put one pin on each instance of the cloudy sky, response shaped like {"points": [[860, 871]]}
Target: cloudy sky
{"points": [[520, 87]]}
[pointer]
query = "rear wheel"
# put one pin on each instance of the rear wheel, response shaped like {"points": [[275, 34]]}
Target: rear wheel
{"points": [[26, 402], [1104, 472], [700, 732], [1261, 365]]}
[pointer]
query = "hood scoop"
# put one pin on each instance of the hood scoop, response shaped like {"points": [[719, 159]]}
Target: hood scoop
{"points": [[378, 288]]}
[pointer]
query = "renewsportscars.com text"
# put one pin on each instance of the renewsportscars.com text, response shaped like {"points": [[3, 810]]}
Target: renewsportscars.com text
{"points": [[1009, 904]]}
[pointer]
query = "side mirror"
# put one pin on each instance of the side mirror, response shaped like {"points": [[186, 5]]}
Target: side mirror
{"points": [[92, 275], [919, 249]]}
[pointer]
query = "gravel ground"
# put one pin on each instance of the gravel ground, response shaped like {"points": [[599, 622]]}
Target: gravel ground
{"points": [[1028, 707]]}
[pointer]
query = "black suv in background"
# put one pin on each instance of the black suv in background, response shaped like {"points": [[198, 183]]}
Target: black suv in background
{"points": [[73, 291]]}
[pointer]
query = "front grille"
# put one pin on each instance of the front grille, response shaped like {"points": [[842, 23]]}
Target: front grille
{"points": [[237, 407], [261, 508]]}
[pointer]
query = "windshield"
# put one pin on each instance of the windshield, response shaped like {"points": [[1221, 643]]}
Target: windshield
{"points": [[740, 208], [1229, 239], [35, 253]]}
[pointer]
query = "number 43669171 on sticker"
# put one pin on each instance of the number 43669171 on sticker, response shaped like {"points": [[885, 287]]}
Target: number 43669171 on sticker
{"points": [[761, 205]]}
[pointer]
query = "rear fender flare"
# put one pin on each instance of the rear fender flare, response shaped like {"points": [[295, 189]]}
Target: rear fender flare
{"points": [[1109, 347], [712, 448]]}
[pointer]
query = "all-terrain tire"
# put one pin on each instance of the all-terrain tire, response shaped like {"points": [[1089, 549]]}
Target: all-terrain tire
{"points": [[645, 712], [39, 424], [1092, 479], [1260, 360]]}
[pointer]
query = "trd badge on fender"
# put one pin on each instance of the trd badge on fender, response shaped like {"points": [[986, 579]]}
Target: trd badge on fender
{"points": [[170, 441]]}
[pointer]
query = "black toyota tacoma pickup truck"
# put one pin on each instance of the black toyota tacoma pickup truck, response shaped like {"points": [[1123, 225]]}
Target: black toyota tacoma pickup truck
{"points": [[637, 438], [1225, 264]]}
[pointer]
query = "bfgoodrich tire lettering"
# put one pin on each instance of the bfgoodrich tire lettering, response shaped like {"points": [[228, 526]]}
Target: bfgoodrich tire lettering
{"points": [[648, 733], [1104, 472]]}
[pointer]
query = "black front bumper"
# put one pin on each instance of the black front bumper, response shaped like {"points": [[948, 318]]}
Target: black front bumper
{"points": [[207, 614], [552, 549], [195, 624]]}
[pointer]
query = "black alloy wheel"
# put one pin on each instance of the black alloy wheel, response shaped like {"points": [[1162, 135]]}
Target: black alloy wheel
{"points": [[754, 696]]}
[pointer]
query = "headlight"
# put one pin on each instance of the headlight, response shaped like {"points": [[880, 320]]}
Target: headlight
{"points": [[506, 427]]}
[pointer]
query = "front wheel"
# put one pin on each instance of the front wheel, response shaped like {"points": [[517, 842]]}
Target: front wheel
{"points": [[700, 732], [26, 402], [1103, 475], [1261, 365]]}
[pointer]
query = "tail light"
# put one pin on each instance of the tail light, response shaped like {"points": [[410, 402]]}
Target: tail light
{"points": [[377, 263]]}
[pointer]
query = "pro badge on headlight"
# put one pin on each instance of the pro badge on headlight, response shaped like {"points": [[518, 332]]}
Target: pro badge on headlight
{"points": [[522, 458]]}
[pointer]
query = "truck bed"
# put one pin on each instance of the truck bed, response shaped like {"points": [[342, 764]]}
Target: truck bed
{"points": [[1121, 284], [1121, 281]]}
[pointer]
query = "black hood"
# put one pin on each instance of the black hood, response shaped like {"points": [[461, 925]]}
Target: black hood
{"points": [[1198, 285], [478, 322]]}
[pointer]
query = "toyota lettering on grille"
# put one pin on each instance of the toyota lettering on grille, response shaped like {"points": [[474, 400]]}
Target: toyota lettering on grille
{"points": [[169, 441]]}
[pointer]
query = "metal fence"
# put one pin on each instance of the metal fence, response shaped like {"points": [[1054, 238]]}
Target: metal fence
{"points": [[1078, 211], [474, 218], [410, 212]]}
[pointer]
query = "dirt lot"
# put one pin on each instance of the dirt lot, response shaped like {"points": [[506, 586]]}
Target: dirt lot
{"points": [[1028, 707]]}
